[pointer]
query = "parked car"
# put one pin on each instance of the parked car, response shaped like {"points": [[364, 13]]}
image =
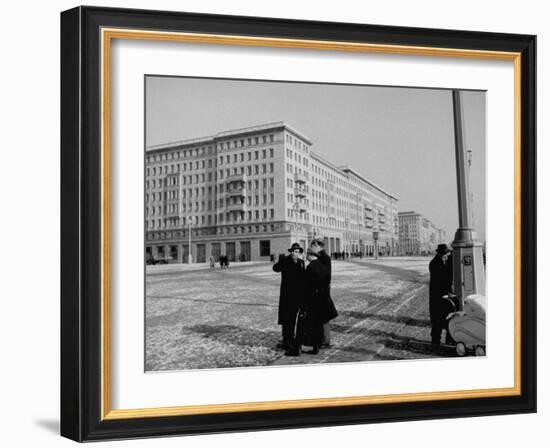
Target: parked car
{"points": [[158, 259]]}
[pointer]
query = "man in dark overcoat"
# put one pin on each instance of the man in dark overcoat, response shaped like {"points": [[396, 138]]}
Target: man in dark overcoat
{"points": [[441, 283], [292, 271], [318, 246]]}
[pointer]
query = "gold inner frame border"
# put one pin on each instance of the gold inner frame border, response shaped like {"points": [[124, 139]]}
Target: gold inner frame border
{"points": [[107, 35]]}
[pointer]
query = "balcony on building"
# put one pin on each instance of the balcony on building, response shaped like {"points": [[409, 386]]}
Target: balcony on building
{"points": [[236, 191], [236, 179], [172, 215], [300, 178], [236, 207], [301, 191], [301, 207]]}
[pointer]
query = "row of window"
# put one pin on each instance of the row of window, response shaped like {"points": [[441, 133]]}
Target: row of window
{"points": [[249, 141], [181, 154], [291, 169], [327, 175], [239, 157], [297, 143], [172, 154], [207, 205], [297, 157], [176, 168], [250, 170], [175, 194], [175, 222]]}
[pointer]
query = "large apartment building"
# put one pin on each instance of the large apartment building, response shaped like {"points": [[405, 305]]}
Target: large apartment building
{"points": [[418, 235], [249, 193]]}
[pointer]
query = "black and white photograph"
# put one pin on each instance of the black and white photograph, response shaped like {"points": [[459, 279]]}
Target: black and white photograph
{"points": [[305, 223]]}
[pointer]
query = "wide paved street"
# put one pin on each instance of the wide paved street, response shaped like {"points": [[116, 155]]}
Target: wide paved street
{"points": [[200, 318]]}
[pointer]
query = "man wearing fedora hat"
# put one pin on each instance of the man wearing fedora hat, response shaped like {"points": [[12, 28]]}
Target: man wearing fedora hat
{"points": [[292, 271], [441, 283]]}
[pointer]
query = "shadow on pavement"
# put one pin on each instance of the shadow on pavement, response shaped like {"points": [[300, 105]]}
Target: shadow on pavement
{"points": [[388, 318], [418, 347], [180, 316], [393, 341], [232, 334]]}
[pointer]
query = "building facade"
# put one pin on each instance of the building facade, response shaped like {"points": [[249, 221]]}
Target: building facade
{"points": [[249, 193], [418, 235]]}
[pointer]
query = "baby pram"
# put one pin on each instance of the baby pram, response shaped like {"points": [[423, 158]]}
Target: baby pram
{"points": [[467, 327]]}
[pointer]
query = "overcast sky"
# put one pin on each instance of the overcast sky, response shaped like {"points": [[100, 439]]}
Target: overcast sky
{"points": [[400, 138]]}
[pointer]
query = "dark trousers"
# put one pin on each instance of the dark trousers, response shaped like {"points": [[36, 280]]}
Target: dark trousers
{"points": [[309, 329], [439, 309], [437, 328], [316, 332], [288, 333]]}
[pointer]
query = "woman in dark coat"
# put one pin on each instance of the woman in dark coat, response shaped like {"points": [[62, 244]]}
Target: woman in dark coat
{"points": [[292, 271], [318, 304], [318, 246]]}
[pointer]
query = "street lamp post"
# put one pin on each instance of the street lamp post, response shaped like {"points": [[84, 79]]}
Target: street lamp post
{"points": [[189, 254], [296, 213], [468, 269]]}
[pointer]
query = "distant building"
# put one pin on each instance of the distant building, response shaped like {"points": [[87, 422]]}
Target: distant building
{"points": [[249, 193], [417, 234]]}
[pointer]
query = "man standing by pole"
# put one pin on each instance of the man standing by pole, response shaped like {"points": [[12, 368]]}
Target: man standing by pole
{"points": [[441, 282]]}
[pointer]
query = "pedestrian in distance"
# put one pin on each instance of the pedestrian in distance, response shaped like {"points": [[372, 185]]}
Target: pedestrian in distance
{"points": [[212, 262], [329, 312], [292, 269], [441, 284], [224, 261]]}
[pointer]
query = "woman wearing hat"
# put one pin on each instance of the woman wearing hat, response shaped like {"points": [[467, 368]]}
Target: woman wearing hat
{"points": [[292, 271], [317, 297]]}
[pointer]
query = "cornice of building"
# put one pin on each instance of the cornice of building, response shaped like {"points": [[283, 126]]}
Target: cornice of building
{"points": [[210, 139], [324, 161], [347, 169]]}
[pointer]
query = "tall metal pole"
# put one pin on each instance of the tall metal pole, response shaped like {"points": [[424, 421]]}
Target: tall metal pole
{"points": [[189, 255], [463, 186], [468, 268]]}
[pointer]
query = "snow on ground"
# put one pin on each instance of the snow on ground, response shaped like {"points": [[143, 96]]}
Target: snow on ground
{"points": [[200, 318]]}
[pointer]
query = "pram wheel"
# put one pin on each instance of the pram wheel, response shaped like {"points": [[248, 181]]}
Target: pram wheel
{"points": [[479, 350], [460, 349]]}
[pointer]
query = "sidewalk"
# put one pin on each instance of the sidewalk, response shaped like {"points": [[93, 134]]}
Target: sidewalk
{"points": [[185, 267]]}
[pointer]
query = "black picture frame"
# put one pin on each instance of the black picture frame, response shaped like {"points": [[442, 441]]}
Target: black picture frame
{"points": [[81, 224]]}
